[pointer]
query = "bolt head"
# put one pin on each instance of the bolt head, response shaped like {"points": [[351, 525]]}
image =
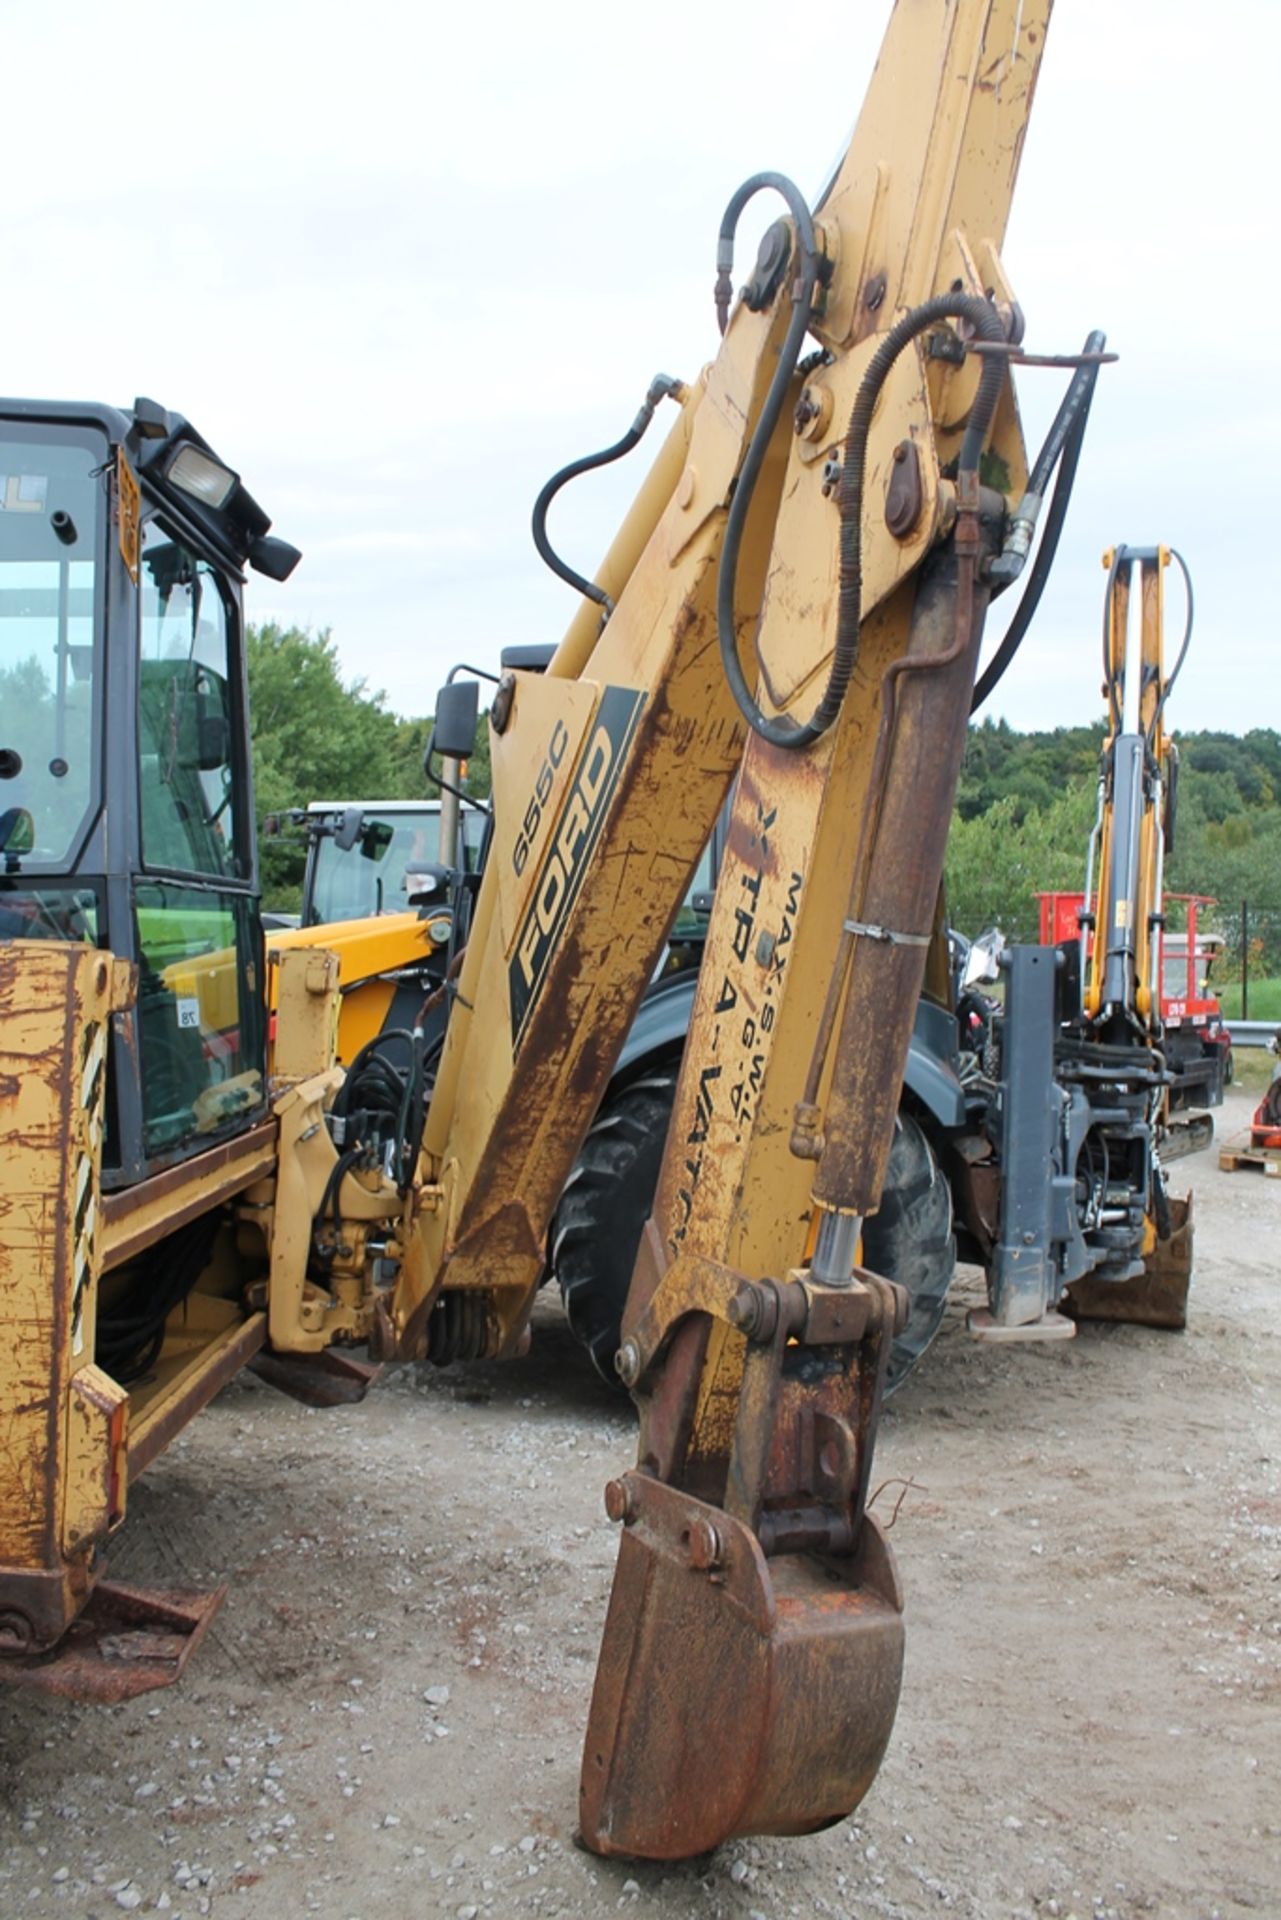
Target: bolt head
{"points": [[620, 1504], [706, 1550], [742, 1309], [627, 1363]]}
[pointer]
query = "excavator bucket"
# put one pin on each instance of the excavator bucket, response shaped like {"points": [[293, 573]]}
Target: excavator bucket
{"points": [[798, 1662], [1157, 1297]]}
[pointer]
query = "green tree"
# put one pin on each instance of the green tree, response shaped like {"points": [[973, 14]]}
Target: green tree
{"points": [[997, 862], [314, 738], [317, 737]]}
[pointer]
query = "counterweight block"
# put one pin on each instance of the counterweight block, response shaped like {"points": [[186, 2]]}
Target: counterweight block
{"points": [[734, 1695]]}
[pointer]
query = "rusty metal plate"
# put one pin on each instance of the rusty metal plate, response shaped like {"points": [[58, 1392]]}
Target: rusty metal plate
{"points": [[329, 1378], [127, 1641], [734, 1695]]}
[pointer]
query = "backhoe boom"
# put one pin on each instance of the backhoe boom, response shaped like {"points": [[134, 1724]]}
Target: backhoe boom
{"points": [[812, 549]]}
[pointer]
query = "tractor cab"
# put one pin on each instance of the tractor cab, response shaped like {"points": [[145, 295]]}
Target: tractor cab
{"points": [[126, 809], [370, 859]]}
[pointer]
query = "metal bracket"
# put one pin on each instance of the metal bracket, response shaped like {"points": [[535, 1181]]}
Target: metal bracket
{"points": [[127, 1641], [869, 930]]}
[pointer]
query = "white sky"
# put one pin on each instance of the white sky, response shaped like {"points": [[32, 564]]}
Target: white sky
{"points": [[400, 263]]}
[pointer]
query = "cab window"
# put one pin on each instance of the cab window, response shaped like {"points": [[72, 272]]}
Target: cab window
{"points": [[192, 805], [50, 515]]}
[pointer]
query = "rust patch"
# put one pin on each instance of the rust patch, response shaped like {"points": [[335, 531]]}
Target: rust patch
{"points": [[750, 1730], [127, 1641]]}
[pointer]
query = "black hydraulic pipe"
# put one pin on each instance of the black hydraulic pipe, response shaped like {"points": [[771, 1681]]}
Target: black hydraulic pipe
{"points": [[661, 385], [781, 731], [1063, 445]]}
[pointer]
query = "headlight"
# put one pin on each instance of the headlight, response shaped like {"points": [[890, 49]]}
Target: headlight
{"points": [[203, 477]]}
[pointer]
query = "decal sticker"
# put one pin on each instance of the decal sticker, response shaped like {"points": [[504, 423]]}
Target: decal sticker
{"points": [[573, 837]]}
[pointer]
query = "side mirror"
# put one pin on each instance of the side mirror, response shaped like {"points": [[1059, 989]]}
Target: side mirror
{"points": [[453, 732], [375, 839], [213, 739], [276, 558], [347, 832], [423, 885]]}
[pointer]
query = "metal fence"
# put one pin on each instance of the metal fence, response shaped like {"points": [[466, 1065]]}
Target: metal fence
{"points": [[1247, 974], [1252, 1033], [1243, 962]]}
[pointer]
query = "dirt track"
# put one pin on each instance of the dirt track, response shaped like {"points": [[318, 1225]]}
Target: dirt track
{"points": [[386, 1718]]}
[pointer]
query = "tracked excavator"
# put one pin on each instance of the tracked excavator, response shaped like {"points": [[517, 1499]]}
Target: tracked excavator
{"points": [[794, 604]]}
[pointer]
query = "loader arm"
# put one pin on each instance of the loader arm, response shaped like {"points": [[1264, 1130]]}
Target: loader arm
{"points": [[754, 1638]]}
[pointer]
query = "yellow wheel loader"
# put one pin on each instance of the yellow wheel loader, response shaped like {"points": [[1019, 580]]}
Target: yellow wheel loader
{"points": [[793, 604]]}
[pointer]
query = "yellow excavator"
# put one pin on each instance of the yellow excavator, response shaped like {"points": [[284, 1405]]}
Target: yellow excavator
{"points": [[794, 604]]}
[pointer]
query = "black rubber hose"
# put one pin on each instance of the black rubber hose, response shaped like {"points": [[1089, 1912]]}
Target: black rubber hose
{"points": [[131, 1333], [1077, 398], [1119, 555], [660, 387], [342, 1100], [375, 1084], [1183, 645], [804, 284], [329, 1198], [781, 731], [1069, 458]]}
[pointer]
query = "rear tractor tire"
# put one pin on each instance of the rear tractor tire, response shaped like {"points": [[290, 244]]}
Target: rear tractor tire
{"points": [[608, 1197], [605, 1205]]}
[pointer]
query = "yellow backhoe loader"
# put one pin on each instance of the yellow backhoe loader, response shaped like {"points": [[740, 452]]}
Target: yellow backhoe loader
{"points": [[794, 604]]}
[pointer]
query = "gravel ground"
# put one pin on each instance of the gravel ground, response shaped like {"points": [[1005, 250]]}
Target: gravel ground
{"points": [[385, 1719]]}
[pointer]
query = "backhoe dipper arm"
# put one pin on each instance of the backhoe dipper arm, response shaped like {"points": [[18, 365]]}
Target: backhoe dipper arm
{"points": [[1119, 975], [750, 1668]]}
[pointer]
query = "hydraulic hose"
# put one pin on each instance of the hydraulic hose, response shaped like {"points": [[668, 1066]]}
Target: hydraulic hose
{"points": [[375, 1086], [1075, 403], [1168, 689], [781, 731], [804, 284], [1062, 447], [660, 387], [1110, 687]]}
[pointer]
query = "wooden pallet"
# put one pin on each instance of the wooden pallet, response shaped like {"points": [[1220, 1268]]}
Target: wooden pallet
{"points": [[1262, 1159]]}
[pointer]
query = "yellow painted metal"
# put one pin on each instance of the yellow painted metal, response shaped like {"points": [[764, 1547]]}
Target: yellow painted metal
{"points": [[369, 953], [207, 1341], [55, 1002], [1123, 903], [280, 1211], [135, 1219], [499, 1149], [616, 569], [608, 775], [71, 1437], [1151, 704], [919, 203], [97, 1473], [303, 993]]}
